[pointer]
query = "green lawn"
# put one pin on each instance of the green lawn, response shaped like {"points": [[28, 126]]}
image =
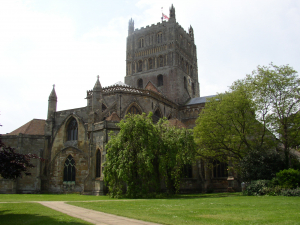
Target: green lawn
{"points": [[206, 209], [32, 214], [49, 197]]}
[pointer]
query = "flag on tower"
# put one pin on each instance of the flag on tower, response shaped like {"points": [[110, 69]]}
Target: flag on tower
{"points": [[165, 16]]}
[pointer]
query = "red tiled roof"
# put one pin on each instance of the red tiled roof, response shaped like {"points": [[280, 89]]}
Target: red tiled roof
{"points": [[33, 127], [176, 123], [113, 117]]}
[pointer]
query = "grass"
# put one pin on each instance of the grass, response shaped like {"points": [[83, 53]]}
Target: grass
{"points": [[222, 208], [34, 213], [49, 197], [206, 209]]}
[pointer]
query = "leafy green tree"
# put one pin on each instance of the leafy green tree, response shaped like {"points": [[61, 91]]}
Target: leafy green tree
{"points": [[227, 127], [276, 93], [143, 154]]}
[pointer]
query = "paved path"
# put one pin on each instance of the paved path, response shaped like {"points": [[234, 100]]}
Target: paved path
{"points": [[92, 216]]}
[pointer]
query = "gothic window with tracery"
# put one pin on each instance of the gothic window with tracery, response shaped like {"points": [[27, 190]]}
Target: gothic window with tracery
{"points": [[187, 171], [140, 83], [160, 80], [69, 170], [133, 110], [156, 116], [98, 163], [220, 169], [72, 130]]}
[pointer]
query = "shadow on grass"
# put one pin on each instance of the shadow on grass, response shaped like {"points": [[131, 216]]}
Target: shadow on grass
{"points": [[8, 218]]}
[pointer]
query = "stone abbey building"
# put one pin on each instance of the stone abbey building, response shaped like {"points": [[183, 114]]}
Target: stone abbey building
{"points": [[161, 77]]}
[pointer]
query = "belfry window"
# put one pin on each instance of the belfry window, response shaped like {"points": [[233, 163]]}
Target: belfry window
{"points": [[140, 66], [133, 110], [150, 64], [160, 80], [159, 37], [69, 170], [72, 130], [141, 43], [160, 61], [140, 83], [98, 163]]}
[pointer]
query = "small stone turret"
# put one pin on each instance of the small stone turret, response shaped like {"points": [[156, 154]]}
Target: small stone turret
{"points": [[172, 17], [130, 26], [191, 32], [52, 103], [97, 95]]}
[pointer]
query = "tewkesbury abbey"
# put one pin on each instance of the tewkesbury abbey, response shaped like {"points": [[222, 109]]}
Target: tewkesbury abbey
{"points": [[161, 77]]}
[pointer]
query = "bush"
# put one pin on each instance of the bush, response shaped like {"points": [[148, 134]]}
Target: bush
{"points": [[258, 187], [288, 178], [290, 192]]}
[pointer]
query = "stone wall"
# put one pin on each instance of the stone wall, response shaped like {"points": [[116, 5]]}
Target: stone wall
{"points": [[25, 144]]}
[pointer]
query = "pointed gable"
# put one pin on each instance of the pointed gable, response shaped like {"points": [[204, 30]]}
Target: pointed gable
{"points": [[177, 123], [150, 86], [33, 127], [113, 117]]}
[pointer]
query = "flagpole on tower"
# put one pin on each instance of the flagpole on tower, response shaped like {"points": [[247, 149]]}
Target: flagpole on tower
{"points": [[162, 14]]}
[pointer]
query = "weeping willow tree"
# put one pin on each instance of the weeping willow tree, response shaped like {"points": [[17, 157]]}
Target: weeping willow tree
{"points": [[143, 155]]}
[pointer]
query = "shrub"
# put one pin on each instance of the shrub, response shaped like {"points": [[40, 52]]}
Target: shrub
{"points": [[258, 187], [288, 178], [290, 192]]}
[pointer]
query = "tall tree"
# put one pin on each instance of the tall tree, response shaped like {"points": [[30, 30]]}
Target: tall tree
{"points": [[276, 93], [227, 126]]}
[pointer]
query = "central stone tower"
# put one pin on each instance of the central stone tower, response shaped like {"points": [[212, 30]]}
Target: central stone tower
{"points": [[165, 55]]}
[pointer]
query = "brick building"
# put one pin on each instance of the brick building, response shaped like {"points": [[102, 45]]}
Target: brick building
{"points": [[161, 77]]}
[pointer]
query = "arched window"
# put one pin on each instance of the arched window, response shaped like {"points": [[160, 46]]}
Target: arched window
{"points": [[141, 43], [150, 64], [160, 80], [159, 37], [160, 61], [98, 163], [187, 171], [185, 83], [140, 83], [156, 116], [133, 110], [72, 130], [193, 88], [140, 66], [69, 170], [220, 169], [103, 107], [191, 70], [187, 68]]}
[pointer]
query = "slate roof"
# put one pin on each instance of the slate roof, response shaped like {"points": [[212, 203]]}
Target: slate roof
{"points": [[199, 100], [33, 127]]}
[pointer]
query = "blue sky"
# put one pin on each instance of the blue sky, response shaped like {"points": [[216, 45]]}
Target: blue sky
{"points": [[69, 42]]}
